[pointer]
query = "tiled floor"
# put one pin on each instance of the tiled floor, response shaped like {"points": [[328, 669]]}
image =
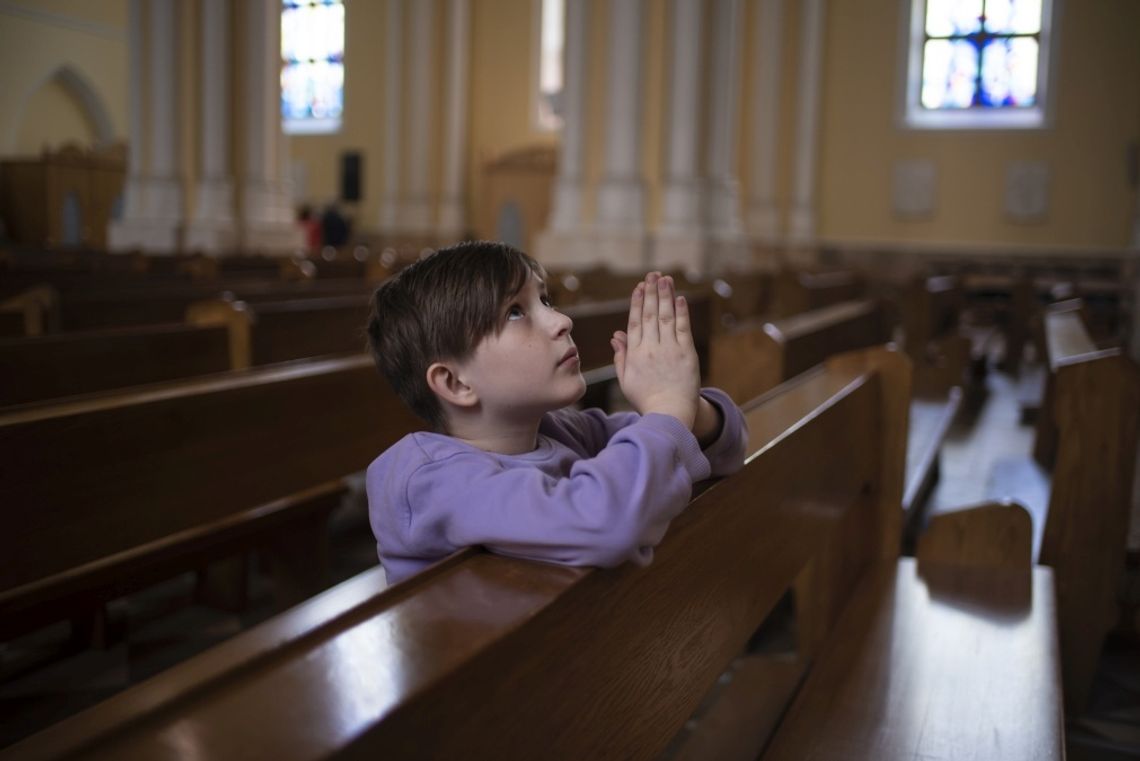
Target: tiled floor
{"points": [[985, 456]]}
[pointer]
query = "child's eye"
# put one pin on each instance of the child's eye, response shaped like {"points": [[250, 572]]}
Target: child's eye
{"points": [[515, 312], [546, 301]]}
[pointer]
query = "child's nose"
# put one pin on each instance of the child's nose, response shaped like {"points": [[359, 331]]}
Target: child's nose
{"points": [[562, 323]]}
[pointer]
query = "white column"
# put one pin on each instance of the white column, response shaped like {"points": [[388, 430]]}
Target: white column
{"points": [[723, 186], [621, 195], [417, 209], [212, 228], [393, 114], [135, 202], [452, 218], [681, 199], [566, 212], [122, 234], [802, 226], [763, 214], [267, 224]]}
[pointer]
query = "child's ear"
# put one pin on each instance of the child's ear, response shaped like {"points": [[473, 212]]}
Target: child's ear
{"points": [[445, 382]]}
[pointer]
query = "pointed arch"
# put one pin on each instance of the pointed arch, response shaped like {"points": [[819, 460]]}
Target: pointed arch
{"points": [[86, 96]]}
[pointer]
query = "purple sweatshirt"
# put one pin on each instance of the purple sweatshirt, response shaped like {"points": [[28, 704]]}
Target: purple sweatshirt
{"points": [[597, 490]]}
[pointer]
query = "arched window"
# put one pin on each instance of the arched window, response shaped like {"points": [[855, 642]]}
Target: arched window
{"points": [[978, 63], [312, 65]]}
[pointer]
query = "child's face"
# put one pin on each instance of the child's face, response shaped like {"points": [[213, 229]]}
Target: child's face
{"points": [[531, 366]]}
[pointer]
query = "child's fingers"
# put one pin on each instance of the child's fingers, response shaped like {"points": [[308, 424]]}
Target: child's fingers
{"points": [[684, 326], [619, 346], [650, 330], [666, 315], [636, 305]]}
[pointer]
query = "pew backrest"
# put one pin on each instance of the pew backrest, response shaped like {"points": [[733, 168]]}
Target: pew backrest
{"points": [[756, 356], [93, 478], [84, 362], [1092, 407]]}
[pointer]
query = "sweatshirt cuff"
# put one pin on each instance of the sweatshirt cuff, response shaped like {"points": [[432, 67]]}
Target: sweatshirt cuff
{"points": [[729, 445], [687, 448]]}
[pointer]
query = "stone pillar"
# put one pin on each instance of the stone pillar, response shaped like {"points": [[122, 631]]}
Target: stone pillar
{"points": [[620, 214], [802, 224], [763, 213], [452, 215], [134, 206], [567, 242], [681, 239], [417, 213], [566, 214], [722, 185], [393, 115], [154, 213], [212, 228], [267, 224]]}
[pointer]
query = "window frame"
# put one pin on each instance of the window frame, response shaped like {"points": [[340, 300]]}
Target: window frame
{"points": [[912, 115]]}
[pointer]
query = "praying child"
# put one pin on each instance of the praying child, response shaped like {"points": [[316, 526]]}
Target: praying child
{"points": [[470, 341]]}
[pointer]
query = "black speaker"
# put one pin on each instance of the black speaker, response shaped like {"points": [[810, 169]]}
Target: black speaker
{"points": [[350, 176]]}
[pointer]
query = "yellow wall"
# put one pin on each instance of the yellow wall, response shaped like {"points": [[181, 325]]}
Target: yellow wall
{"points": [[499, 105], [1097, 113], [51, 118], [36, 40]]}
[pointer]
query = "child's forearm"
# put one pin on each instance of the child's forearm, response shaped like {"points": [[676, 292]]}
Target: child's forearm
{"points": [[708, 423]]}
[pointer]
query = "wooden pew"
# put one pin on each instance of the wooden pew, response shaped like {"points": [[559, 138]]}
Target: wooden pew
{"points": [[1066, 340], [1090, 423], [756, 356], [488, 657], [216, 336], [800, 291], [150, 304], [31, 312], [68, 364], [102, 495]]}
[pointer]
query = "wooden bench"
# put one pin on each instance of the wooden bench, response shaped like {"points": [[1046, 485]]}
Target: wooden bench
{"points": [[1088, 433], [159, 303], [105, 494], [216, 336], [483, 656], [756, 356], [799, 291]]}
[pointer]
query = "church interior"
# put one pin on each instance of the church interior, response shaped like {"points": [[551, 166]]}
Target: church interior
{"points": [[908, 232]]}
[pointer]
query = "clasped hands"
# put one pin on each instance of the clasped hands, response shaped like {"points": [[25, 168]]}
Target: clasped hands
{"points": [[656, 360]]}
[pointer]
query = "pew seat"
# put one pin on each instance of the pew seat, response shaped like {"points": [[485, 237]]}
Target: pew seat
{"points": [[933, 662], [930, 421]]}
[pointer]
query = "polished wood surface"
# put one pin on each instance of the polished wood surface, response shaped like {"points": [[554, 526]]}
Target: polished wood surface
{"points": [[1096, 404], [1066, 341], [84, 362], [93, 477], [930, 421], [485, 656], [990, 535], [753, 357], [801, 291], [942, 664]]}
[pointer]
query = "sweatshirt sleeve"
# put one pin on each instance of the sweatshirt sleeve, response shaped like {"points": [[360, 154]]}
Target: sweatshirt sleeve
{"points": [[726, 454], [611, 508]]}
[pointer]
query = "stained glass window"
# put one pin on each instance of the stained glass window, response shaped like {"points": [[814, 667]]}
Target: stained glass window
{"points": [[978, 59], [312, 70]]}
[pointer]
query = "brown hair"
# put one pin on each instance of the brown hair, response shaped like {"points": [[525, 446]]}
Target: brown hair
{"points": [[440, 308]]}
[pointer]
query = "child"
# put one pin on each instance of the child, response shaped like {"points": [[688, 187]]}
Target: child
{"points": [[470, 341]]}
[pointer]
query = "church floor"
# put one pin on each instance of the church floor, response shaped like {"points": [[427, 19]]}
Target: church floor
{"points": [[986, 456]]}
